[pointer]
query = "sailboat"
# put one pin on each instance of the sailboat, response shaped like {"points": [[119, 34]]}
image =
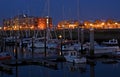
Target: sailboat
{"points": [[5, 56], [74, 57], [36, 43]]}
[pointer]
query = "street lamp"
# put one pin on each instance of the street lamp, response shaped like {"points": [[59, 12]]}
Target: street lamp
{"points": [[60, 37]]}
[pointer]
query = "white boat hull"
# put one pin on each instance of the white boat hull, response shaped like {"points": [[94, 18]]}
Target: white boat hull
{"points": [[72, 56], [37, 45], [102, 50], [76, 59]]}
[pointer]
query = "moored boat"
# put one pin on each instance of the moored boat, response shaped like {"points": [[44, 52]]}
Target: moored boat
{"points": [[5, 56], [36, 43], [102, 50], [112, 42], [73, 56]]}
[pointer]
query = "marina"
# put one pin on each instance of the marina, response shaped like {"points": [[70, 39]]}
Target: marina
{"points": [[43, 38], [65, 57], [30, 56], [64, 69], [28, 63]]}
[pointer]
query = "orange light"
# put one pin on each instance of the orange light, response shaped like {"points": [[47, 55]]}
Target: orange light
{"points": [[32, 27]]}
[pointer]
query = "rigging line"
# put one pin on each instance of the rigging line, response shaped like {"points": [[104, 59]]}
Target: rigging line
{"points": [[48, 7], [63, 12], [44, 8], [78, 9]]}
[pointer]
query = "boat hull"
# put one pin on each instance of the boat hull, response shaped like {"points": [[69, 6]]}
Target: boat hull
{"points": [[5, 58]]}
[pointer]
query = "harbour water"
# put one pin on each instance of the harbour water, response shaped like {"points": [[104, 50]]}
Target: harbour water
{"points": [[96, 68]]}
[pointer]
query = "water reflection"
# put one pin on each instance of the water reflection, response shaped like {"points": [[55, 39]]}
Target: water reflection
{"points": [[77, 67], [30, 53], [17, 75], [62, 69], [92, 69]]}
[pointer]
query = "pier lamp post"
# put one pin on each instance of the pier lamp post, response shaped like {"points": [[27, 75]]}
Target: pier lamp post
{"points": [[60, 37]]}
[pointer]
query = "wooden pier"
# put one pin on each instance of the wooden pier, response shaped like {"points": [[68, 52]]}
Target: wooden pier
{"points": [[36, 61]]}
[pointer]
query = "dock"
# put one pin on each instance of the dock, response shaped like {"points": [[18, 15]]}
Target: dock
{"points": [[36, 61]]}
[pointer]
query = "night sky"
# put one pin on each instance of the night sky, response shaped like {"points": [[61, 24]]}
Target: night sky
{"points": [[62, 9]]}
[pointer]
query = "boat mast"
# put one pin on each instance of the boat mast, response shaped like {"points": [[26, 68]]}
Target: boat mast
{"points": [[47, 22], [63, 25], [78, 21], [48, 7], [46, 29]]}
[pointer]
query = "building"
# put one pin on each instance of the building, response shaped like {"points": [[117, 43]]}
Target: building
{"points": [[98, 24], [44, 22], [25, 22], [68, 24]]}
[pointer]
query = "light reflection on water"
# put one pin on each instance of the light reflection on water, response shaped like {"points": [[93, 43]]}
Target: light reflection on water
{"points": [[64, 69], [31, 53]]}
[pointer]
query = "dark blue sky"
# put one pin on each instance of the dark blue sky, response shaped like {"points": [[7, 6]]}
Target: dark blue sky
{"points": [[62, 9]]}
